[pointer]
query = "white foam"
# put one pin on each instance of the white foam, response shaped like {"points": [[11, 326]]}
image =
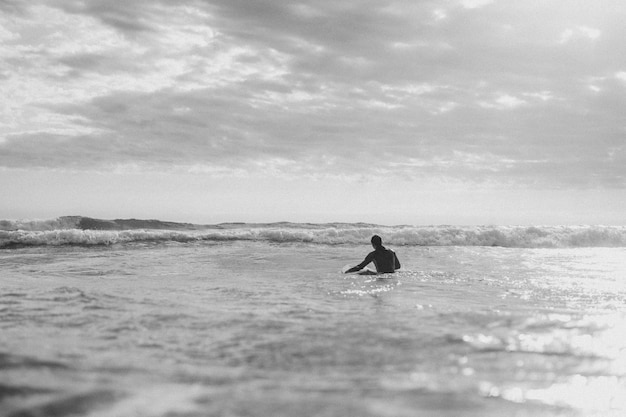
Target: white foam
{"points": [[63, 231], [61, 223], [156, 401]]}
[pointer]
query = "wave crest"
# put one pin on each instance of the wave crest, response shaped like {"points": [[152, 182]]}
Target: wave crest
{"points": [[78, 230]]}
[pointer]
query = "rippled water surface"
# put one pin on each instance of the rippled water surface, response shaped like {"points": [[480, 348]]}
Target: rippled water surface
{"points": [[268, 329]]}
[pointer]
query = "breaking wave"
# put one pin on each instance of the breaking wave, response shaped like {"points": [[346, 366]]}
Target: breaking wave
{"points": [[77, 230]]}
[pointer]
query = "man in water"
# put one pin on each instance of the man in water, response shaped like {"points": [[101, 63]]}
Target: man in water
{"points": [[384, 259]]}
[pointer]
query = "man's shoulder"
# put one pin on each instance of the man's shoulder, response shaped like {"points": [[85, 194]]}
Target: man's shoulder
{"points": [[371, 255]]}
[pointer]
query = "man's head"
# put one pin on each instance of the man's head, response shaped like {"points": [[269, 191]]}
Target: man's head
{"points": [[377, 241]]}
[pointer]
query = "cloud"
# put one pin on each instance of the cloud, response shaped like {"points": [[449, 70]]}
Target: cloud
{"points": [[503, 101], [474, 4], [581, 32], [471, 89], [128, 18], [13, 7]]}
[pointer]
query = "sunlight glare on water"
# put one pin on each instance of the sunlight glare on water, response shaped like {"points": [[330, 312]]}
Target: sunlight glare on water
{"points": [[250, 328]]}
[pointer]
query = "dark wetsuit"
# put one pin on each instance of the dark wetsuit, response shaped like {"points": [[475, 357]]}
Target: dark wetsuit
{"points": [[385, 260]]}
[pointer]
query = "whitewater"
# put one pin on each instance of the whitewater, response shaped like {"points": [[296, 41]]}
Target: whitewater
{"points": [[77, 230], [135, 317]]}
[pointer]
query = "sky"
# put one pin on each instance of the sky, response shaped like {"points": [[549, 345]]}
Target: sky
{"points": [[387, 111]]}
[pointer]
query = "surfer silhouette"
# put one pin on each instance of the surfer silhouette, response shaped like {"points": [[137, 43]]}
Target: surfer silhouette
{"points": [[384, 259]]}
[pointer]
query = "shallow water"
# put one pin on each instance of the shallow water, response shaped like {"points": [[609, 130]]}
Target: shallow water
{"points": [[247, 328]]}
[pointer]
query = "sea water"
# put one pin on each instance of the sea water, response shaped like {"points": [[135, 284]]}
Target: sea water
{"points": [[118, 319]]}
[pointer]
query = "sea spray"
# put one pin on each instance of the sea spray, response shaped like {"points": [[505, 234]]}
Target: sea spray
{"points": [[78, 230]]}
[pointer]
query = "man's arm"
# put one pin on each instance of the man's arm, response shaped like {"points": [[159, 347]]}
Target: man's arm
{"points": [[360, 266], [397, 262]]}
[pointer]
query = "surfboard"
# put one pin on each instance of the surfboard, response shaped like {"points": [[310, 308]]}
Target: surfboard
{"points": [[365, 271]]}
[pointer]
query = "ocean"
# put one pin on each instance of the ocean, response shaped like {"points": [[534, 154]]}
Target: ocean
{"points": [[159, 319]]}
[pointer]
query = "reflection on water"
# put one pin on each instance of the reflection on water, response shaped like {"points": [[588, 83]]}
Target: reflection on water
{"points": [[247, 328]]}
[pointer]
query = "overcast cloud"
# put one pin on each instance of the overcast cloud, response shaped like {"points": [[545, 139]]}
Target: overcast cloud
{"points": [[522, 93]]}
